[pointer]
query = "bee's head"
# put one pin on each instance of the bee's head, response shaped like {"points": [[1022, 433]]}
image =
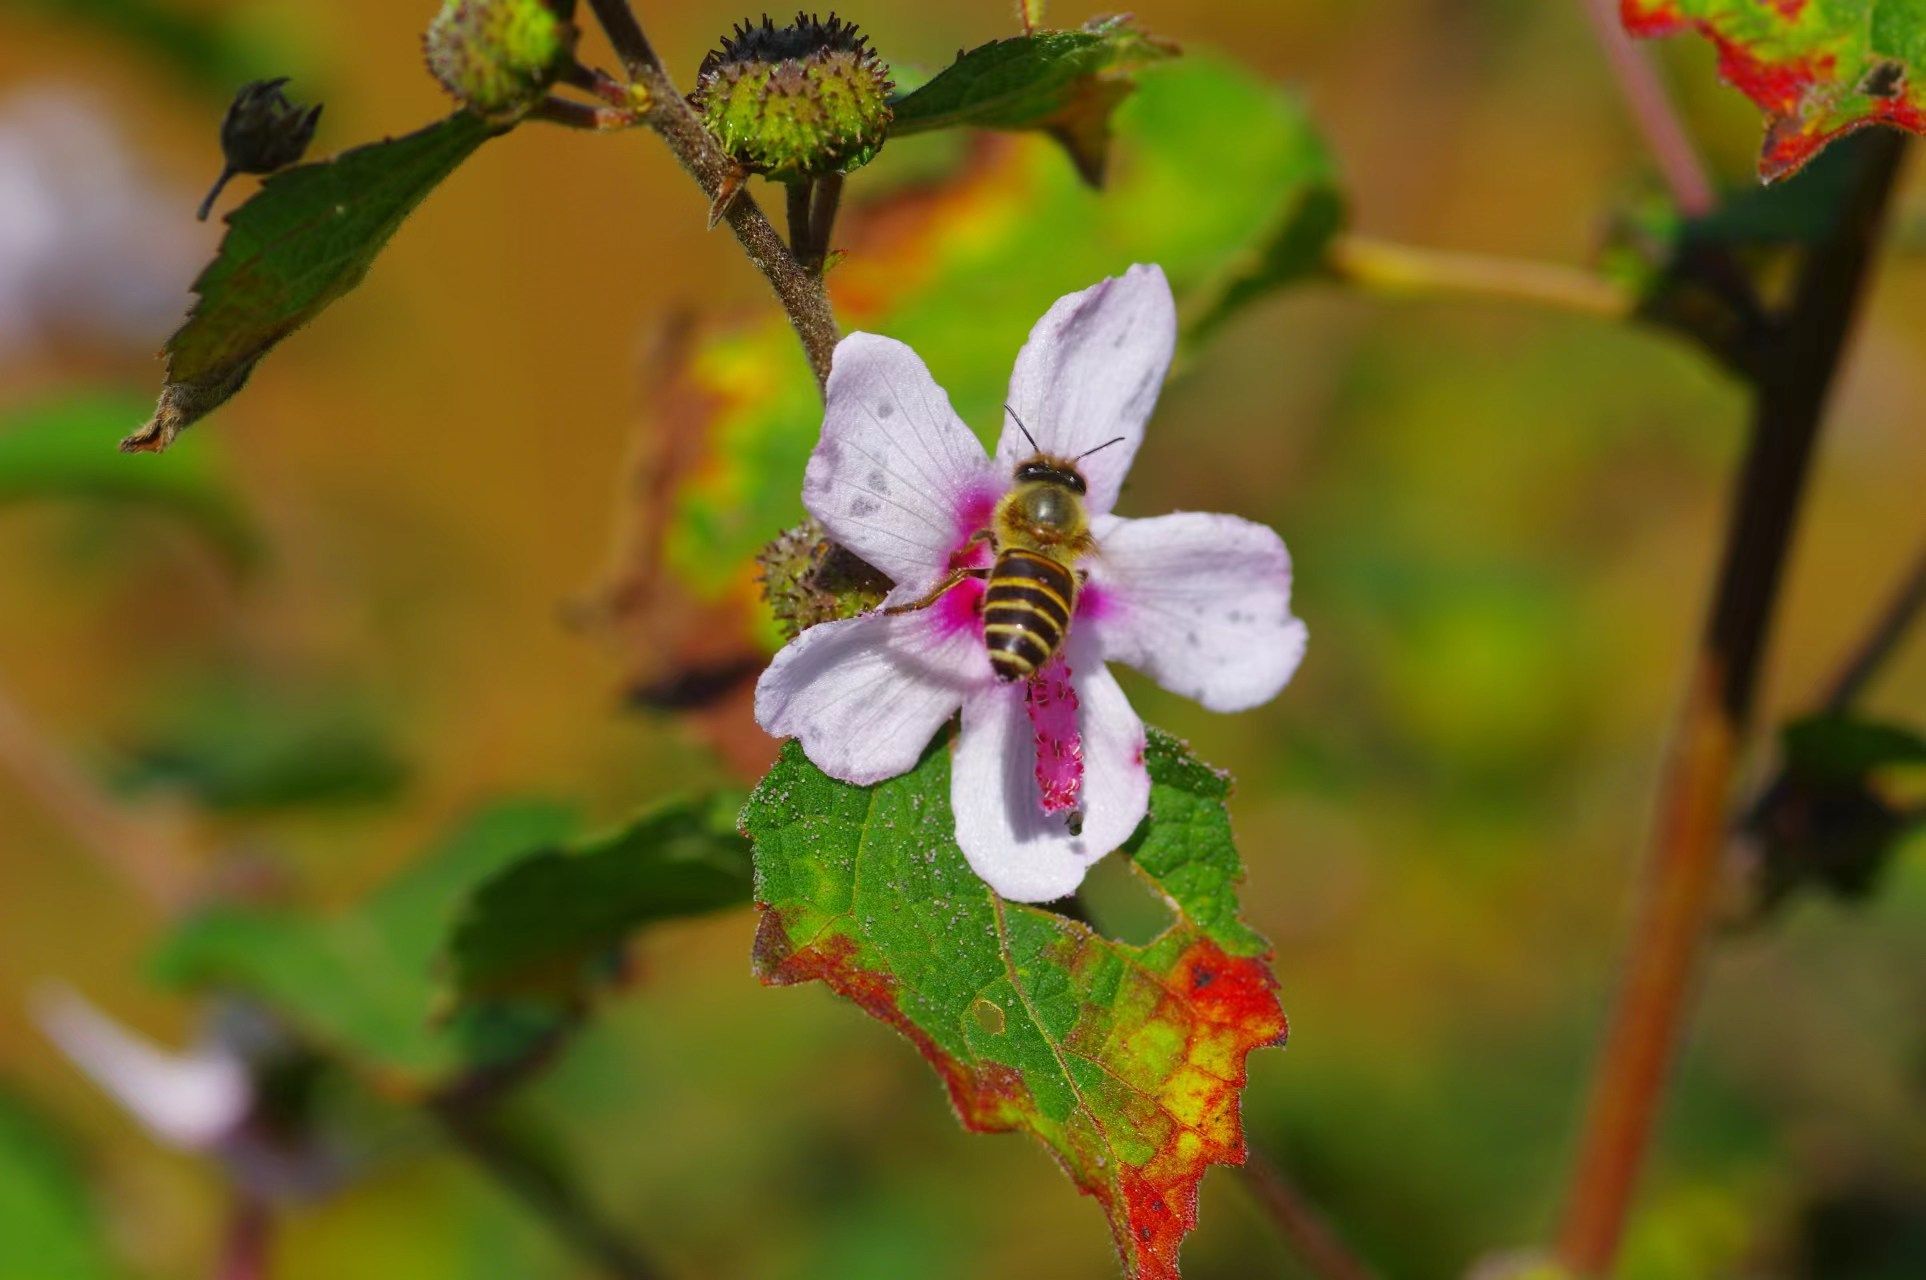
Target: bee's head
{"points": [[1048, 496], [1051, 471]]}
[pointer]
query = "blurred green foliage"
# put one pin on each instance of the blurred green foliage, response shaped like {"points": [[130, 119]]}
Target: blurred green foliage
{"points": [[362, 983], [49, 1228], [250, 744], [209, 49], [59, 447], [540, 926]]}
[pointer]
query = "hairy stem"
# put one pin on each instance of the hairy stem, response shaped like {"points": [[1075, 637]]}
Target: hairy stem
{"points": [[127, 844], [1661, 965], [798, 289], [544, 1190], [1665, 135], [1383, 267]]}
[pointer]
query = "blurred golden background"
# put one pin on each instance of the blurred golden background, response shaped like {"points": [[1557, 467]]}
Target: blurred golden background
{"points": [[1503, 519]]}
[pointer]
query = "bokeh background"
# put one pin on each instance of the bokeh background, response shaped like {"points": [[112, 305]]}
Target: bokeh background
{"points": [[1504, 520]]}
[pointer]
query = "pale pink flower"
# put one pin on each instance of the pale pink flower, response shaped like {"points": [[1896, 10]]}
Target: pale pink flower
{"points": [[1200, 603]]}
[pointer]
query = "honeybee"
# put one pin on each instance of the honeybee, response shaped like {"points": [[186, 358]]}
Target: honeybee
{"points": [[1039, 532]]}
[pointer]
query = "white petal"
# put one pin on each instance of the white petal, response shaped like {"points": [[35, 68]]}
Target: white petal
{"points": [[865, 695], [1021, 852], [897, 478], [1200, 603], [1090, 373], [189, 1100]]}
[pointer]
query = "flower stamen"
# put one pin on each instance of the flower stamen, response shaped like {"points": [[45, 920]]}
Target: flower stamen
{"points": [[1052, 704]]}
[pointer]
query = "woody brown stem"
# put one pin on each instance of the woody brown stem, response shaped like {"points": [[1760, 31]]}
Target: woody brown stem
{"points": [[667, 112]]}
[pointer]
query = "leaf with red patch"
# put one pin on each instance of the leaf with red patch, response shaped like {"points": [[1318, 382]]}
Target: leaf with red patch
{"points": [[1126, 1062], [1818, 68]]}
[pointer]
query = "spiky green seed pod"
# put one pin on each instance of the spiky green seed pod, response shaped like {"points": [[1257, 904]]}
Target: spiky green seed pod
{"points": [[807, 579], [794, 102], [498, 57]]}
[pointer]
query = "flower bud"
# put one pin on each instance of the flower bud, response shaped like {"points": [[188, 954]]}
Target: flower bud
{"points": [[807, 579], [798, 101], [498, 57], [261, 133]]}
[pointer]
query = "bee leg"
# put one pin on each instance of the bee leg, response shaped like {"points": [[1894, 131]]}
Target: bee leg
{"points": [[938, 591]]}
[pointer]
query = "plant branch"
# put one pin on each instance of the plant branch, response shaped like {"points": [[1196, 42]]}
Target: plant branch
{"points": [[1665, 135], [667, 112], [543, 1189], [800, 239], [1907, 603], [822, 219], [1406, 270], [1311, 1238], [625, 34], [127, 844], [1662, 962], [247, 1249]]}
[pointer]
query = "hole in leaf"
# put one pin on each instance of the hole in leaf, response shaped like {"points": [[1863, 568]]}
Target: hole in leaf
{"points": [[1121, 904]]}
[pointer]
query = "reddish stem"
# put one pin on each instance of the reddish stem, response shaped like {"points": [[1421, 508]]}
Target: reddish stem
{"points": [[1671, 146], [1798, 366]]}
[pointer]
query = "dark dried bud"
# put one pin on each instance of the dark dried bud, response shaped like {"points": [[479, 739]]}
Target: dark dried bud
{"points": [[798, 101], [262, 132], [807, 579]]}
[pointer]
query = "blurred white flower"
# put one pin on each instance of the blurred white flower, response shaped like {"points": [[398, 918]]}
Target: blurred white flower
{"points": [[196, 1100], [92, 248]]}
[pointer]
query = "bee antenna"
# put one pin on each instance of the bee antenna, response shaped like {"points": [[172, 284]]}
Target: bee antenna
{"points": [[1025, 430], [1105, 445]]}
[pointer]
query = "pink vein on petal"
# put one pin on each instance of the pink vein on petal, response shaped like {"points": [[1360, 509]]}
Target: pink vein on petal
{"points": [[974, 508], [957, 609], [1095, 602], [1052, 704]]}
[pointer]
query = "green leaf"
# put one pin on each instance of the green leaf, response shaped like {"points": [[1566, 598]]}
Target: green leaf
{"points": [[49, 1228], [1818, 68], [57, 449], [1842, 747], [307, 237], [1126, 1062], [966, 271], [361, 983], [245, 744], [1065, 83], [541, 925]]}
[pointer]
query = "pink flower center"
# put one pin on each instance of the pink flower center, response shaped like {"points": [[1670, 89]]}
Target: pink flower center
{"points": [[1052, 704]]}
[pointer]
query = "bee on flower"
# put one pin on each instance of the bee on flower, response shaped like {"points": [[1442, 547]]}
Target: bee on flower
{"points": [[1015, 583]]}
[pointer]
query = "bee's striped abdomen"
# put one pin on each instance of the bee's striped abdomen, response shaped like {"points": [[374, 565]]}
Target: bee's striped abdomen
{"points": [[1025, 612]]}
